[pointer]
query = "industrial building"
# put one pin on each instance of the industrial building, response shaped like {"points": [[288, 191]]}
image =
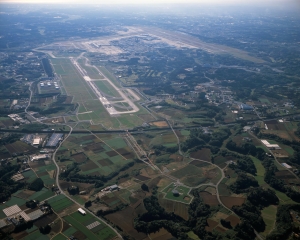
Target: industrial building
{"points": [[246, 107], [54, 140], [270, 146], [286, 165], [113, 187], [36, 141], [80, 210], [39, 157]]}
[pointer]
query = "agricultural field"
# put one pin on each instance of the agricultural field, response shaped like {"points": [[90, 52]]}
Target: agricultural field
{"points": [[100, 154], [231, 201], [167, 139], [45, 170], [124, 219], [88, 227], [6, 122], [19, 147], [179, 208], [60, 203], [209, 198], [285, 130], [203, 154], [196, 173]]}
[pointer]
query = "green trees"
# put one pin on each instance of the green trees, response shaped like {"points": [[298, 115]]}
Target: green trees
{"points": [[144, 187], [200, 139], [262, 197], [252, 214], [245, 164], [36, 185], [243, 183], [7, 185]]}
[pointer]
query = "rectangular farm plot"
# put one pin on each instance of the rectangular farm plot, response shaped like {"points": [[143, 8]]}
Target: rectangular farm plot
{"points": [[203, 154], [59, 203]]}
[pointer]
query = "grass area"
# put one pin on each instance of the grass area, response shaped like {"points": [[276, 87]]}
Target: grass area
{"points": [[260, 171], [264, 100], [105, 87], [109, 75], [181, 197], [289, 150], [192, 235], [185, 132], [269, 216]]}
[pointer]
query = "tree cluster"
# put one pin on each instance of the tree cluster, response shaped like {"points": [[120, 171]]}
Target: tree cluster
{"points": [[7, 185], [243, 183], [36, 185]]}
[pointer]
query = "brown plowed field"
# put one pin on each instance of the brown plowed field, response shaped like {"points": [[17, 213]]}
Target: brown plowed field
{"points": [[160, 124], [124, 219], [234, 220], [211, 225], [178, 208], [79, 157], [162, 234], [284, 174], [203, 154], [199, 163], [95, 147], [209, 199], [231, 201], [88, 166], [220, 229], [105, 162]]}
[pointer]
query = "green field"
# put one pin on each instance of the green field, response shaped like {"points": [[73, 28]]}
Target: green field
{"points": [[260, 171], [59, 203], [41, 195], [80, 222], [105, 87], [183, 193], [91, 71], [192, 235], [269, 216], [59, 237], [36, 236]]}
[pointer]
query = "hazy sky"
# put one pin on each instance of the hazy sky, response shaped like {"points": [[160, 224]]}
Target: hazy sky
{"points": [[258, 2]]}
